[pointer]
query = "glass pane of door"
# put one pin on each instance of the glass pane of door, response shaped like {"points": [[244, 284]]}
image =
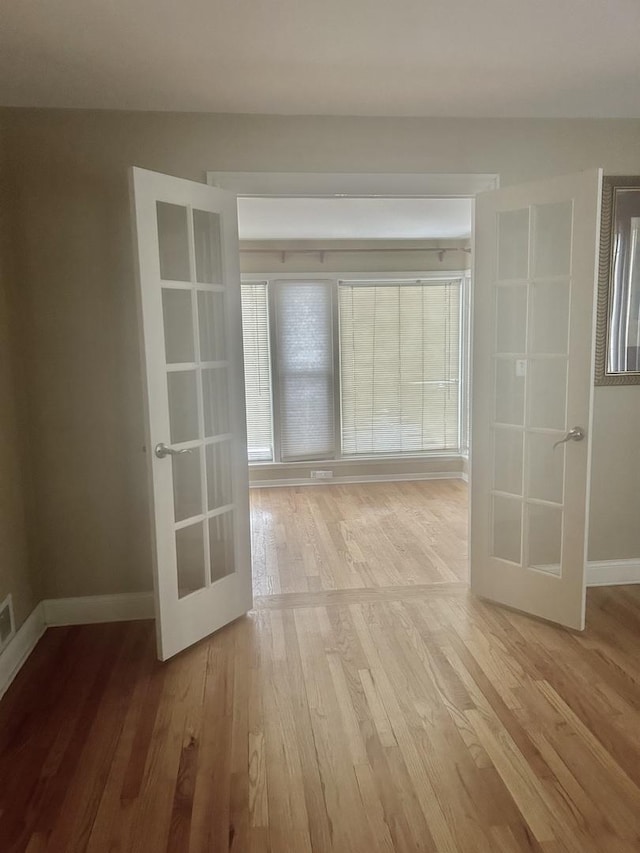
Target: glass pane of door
{"points": [[507, 528], [219, 491], [215, 391], [221, 546], [187, 486], [173, 241], [544, 537], [190, 559], [177, 310], [182, 387], [212, 323], [207, 238]]}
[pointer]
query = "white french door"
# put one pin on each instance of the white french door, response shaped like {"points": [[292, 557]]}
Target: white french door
{"points": [[533, 315], [189, 287]]}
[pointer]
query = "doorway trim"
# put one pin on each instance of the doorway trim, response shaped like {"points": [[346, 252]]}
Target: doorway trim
{"points": [[355, 184]]}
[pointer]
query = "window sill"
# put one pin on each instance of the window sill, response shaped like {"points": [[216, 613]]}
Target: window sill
{"points": [[355, 460]]}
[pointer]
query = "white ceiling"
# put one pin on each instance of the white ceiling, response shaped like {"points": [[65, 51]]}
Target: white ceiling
{"points": [[349, 57], [354, 218]]}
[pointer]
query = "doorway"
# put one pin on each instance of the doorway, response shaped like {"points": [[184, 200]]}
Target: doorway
{"points": [[355, 313]]}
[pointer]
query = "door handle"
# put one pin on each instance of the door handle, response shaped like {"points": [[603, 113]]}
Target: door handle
{"points": [[161, 450], [575, 434]]}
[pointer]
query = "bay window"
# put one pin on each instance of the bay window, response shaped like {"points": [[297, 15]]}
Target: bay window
{"points": [[354, 367]]}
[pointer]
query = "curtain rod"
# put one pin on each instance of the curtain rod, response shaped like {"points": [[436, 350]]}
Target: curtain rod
{"points": [[322, 252]]}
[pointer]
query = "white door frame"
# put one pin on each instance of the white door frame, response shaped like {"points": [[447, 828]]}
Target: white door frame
{"points": [[355, 184], [369, 185]]}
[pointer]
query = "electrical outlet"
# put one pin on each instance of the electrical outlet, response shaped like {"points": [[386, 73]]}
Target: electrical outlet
{"points": [[6, 622], [321, 475]]}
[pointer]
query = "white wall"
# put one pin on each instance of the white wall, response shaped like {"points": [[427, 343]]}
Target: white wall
{"points": [[69, 196]]}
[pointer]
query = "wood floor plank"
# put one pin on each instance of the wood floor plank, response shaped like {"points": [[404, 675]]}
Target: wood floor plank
{"points": [[328, 598]]}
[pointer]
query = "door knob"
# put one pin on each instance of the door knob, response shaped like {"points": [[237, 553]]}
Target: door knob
{"points": [[575, 434], [161, 450]]}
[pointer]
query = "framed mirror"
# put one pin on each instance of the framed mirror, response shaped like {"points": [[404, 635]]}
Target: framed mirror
{"points": [[618, 324]]}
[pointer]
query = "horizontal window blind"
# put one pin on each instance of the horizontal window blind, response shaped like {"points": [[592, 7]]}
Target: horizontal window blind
{"points": [[257, 371], [400, 367], [304, 354]]}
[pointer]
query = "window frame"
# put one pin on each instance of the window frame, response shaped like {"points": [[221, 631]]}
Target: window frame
{"points": [[334, 278]]}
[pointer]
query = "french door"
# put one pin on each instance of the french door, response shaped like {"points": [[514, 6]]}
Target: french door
{"points": [[189, 288], [533, 309], [533, 316]]}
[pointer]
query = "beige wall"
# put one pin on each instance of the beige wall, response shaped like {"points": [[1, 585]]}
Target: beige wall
{"points": [[615, 475], [425, 466], [70, 198], [15, 576]]}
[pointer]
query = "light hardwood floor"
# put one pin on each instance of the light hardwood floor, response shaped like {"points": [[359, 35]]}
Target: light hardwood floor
{"points": [[313, 538], [396, 718]]}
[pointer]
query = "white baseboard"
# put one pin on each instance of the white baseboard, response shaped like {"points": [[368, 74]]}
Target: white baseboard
{"points": [[358, 478], [139, 605], [19, 649], [98, 608], [613, 572], [69, 611]]}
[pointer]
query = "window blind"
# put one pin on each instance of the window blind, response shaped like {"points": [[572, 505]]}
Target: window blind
{"points": [[257, 371], [304, 355], [400, 367]]}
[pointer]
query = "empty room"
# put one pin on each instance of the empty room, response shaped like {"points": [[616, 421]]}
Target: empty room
{"points": [[319, 404]]}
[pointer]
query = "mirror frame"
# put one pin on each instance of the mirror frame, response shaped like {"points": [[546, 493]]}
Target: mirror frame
{"points": [[611, 184]]}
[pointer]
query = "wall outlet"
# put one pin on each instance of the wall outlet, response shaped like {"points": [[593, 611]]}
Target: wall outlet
{"points": [[7, 623], [321, 475]]}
